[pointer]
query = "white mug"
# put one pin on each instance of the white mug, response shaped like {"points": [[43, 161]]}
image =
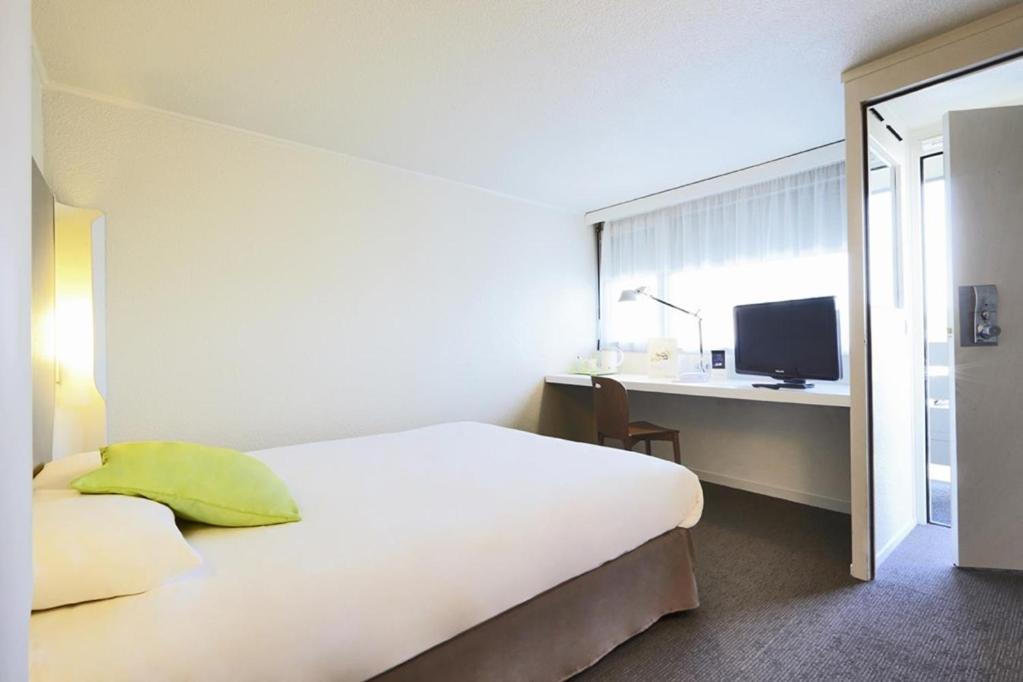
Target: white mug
{"points": [[610, 360]]}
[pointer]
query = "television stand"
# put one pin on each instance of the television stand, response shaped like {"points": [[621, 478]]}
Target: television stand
{"points": [[786, 383]]}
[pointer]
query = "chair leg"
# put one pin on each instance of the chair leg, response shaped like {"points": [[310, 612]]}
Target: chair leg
{"points": [[600, 439], [628, 444], [675, 447], [647, 443]]}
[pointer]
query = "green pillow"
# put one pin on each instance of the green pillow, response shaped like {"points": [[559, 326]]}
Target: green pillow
{"points": [[217, 486]]}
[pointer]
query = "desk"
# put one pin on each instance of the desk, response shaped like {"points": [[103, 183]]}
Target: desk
{"points": [[825, 393], [791, 444]]}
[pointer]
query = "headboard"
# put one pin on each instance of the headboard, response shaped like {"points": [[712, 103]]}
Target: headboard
{"points": [[43, 301]]}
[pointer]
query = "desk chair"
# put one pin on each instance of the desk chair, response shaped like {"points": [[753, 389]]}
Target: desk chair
{"points": [[611, 406]]}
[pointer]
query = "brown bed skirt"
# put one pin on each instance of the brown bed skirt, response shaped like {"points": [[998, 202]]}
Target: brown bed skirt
{"points": [[572, 626]]}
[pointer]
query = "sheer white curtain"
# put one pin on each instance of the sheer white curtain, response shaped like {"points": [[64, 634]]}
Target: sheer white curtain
{"points": [[775, 240]]}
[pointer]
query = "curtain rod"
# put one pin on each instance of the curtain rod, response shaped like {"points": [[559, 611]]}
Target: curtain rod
{"points": [[715, 177]]}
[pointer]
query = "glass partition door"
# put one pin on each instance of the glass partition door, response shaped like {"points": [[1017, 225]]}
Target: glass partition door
{"points": [[938, 329]]}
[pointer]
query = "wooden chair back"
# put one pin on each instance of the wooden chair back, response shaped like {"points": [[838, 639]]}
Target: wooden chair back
{"points": [[610, 407]]}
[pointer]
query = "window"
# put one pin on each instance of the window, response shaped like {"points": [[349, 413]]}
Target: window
{"points": [[936, 275], [776, 240], [885, 234]]}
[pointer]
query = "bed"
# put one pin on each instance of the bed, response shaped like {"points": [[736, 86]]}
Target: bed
{"points": [[456, 551]]}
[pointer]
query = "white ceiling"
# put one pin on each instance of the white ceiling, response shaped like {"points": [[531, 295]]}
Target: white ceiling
{"points": [[573, 103], [1000, 85]]}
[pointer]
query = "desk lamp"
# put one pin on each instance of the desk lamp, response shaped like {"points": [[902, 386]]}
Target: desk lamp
{"points": [[629, 295]]}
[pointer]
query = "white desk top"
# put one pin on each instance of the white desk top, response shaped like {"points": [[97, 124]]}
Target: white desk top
{"points": [[824, 393]]}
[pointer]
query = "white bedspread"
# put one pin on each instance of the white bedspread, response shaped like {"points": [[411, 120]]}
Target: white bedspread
{"points": [[407, 539]]}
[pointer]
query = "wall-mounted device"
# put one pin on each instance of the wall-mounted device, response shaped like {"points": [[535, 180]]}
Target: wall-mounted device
{"points": [[718, 365], [978, 315]]}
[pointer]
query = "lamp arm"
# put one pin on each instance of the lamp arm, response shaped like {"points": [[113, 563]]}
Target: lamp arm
{"points": [[675, 307], [699, 322]]}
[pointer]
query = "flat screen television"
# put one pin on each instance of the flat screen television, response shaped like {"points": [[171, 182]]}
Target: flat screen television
{"points": [[790, 340]]}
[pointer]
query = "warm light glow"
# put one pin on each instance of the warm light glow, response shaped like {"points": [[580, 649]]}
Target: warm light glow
{"points": [[74, 336], [73, 324], [79, 410], [45, 350]]}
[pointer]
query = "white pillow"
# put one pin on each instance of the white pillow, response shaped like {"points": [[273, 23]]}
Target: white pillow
{"points": [[58, 474], [89, 547]]}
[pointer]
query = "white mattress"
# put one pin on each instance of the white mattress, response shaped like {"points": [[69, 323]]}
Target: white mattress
{"points": [[407, 539]]}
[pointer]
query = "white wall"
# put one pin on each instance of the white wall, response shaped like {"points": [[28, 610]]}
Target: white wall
{"points": [[38, 144], [262, 292], [15, 369]]}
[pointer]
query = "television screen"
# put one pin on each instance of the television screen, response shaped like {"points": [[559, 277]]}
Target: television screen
{"points": [[788, 339]]}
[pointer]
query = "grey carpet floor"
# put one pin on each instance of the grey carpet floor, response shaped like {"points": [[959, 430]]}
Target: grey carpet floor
{"points": [[777, 603], [941, 502]]}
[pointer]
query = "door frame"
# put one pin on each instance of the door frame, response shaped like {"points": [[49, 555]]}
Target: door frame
{"points": [[979, 44], [890, 141]]}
